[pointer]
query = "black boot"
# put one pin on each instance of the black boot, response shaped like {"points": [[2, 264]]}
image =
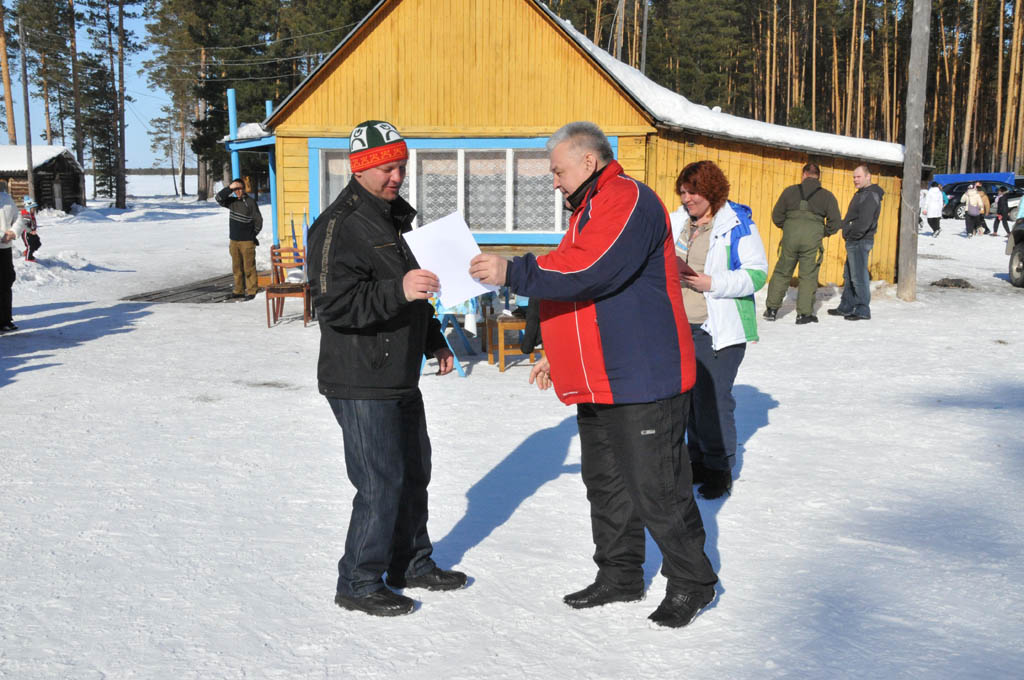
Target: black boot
{"points": [[380, 603], [597, 594], [678, 609], [770, 314], [435, 579], [717, 484]]}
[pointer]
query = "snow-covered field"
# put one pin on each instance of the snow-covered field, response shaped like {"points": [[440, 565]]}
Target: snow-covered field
{"points": [[174, 497]]}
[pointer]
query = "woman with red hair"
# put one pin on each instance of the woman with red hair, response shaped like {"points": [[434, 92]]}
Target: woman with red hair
{"points": [[721, 265]]}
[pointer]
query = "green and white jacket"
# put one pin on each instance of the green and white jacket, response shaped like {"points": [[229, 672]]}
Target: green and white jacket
{"points": [[738, 268]]}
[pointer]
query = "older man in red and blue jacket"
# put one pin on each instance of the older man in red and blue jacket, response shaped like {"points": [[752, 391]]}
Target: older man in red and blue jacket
{"points": [[618, 345]]}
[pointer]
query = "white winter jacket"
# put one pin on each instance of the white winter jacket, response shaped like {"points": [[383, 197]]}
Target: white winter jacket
{"points": [[738, 268], [933, 202], [10, 220]]}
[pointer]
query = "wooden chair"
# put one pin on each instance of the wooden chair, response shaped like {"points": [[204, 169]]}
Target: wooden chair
{"points": [[497, 342], [283, 259]]}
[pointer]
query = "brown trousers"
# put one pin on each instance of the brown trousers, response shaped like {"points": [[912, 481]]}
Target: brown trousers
{"points": [[243, 266]]}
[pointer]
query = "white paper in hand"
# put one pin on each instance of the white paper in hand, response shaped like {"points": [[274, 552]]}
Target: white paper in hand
{"points": [[445, 247]]}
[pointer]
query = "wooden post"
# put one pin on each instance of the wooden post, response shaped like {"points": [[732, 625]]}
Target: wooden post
{"points": [[910, 210], [28, 115]]}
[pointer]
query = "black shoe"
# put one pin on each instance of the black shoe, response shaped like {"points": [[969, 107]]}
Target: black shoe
{"points": [[770, 314], [236, 296], [856, 317], [246, 298], [835, 311], [380, 603], [598, 594], [806, 318], [936, 232], [717, 484], [8, 327], [435, 579], [699, 472], [678, 609]]}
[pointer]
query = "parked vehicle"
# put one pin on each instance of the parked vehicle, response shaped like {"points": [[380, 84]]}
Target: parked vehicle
{"points": [[1019, 181], [956, 209], [1015, 247]]}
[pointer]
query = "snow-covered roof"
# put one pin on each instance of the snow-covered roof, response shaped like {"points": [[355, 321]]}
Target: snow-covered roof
{"points": [[674, 110], [248, 131], [12, 156]]}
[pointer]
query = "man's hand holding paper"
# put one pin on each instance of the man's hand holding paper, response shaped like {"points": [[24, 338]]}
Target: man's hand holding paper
{"points": [[445, 248]]}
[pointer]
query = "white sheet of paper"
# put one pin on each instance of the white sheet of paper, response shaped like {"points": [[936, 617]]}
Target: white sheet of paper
{"points": [[445, 247]]}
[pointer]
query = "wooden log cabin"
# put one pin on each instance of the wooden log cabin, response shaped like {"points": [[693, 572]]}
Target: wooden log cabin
{"points": [[477, 86]]}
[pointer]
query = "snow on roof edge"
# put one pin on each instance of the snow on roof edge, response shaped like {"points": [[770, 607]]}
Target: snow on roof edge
{"points": [[12, 156], [676, 111], [247, 131]]}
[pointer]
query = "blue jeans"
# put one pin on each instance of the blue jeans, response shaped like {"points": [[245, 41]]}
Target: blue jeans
{"points": [[856, 297], [711, 430], [387, 456]]}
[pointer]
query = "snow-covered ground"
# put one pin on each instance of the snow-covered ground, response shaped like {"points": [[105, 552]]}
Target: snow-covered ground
{"points": [[174, 497]]}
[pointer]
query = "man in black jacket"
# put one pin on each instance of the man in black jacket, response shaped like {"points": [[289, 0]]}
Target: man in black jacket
{"points": [[244, 223], [859, 227], [806, 213], [375, 328]]}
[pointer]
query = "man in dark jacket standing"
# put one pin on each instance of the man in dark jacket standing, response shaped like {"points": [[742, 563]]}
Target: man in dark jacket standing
{"points": [[806, 213], [375, 328], [244, 223], [619, 347], [859, 228]]}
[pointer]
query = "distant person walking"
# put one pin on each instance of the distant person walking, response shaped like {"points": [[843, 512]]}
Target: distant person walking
{"points": [[806, 213], [978, 205], [1002, 212], [933, 204], [859, 227], [30, 234], [244, 224], [10, 228]]}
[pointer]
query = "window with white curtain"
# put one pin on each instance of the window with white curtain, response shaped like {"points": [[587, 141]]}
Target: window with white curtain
{"points": [[495, 190]]}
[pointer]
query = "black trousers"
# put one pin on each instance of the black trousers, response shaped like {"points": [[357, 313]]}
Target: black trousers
{"points": [[637, 473], [7, 277]]}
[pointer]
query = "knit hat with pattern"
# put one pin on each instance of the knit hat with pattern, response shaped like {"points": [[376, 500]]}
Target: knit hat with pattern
{"points": [[374, 143]]}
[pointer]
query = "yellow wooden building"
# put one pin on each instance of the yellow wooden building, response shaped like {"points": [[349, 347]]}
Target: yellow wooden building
{"points": [[477, 86]]}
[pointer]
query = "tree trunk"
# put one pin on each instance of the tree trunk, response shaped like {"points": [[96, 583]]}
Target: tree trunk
{"points": [[886, 123], [202, 170], [46, 98], [836, 102], [848, 117], [773, 71], [1012, 90], [860, 71], [183, 130], [76, 99], [12, 129], [972, 86], [814, 65], [597, 23], [121, 191]]}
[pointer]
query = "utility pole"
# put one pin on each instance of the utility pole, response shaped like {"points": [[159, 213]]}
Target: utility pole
{"points": [[910, 210], [28, 117]]}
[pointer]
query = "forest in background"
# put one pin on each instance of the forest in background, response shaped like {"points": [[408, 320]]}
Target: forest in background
{"points": [[832, 65]]}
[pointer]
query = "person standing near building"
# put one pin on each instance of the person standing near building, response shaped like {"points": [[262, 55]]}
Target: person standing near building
{"points": [[806, 213], [859, 227], [244, 225], [30, 235], [725, 265], [10, 228], [618, 347], [376, 326], [933, 204]]}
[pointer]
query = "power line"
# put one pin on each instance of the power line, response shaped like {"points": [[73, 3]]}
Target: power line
{"points": [[262, 44]]}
